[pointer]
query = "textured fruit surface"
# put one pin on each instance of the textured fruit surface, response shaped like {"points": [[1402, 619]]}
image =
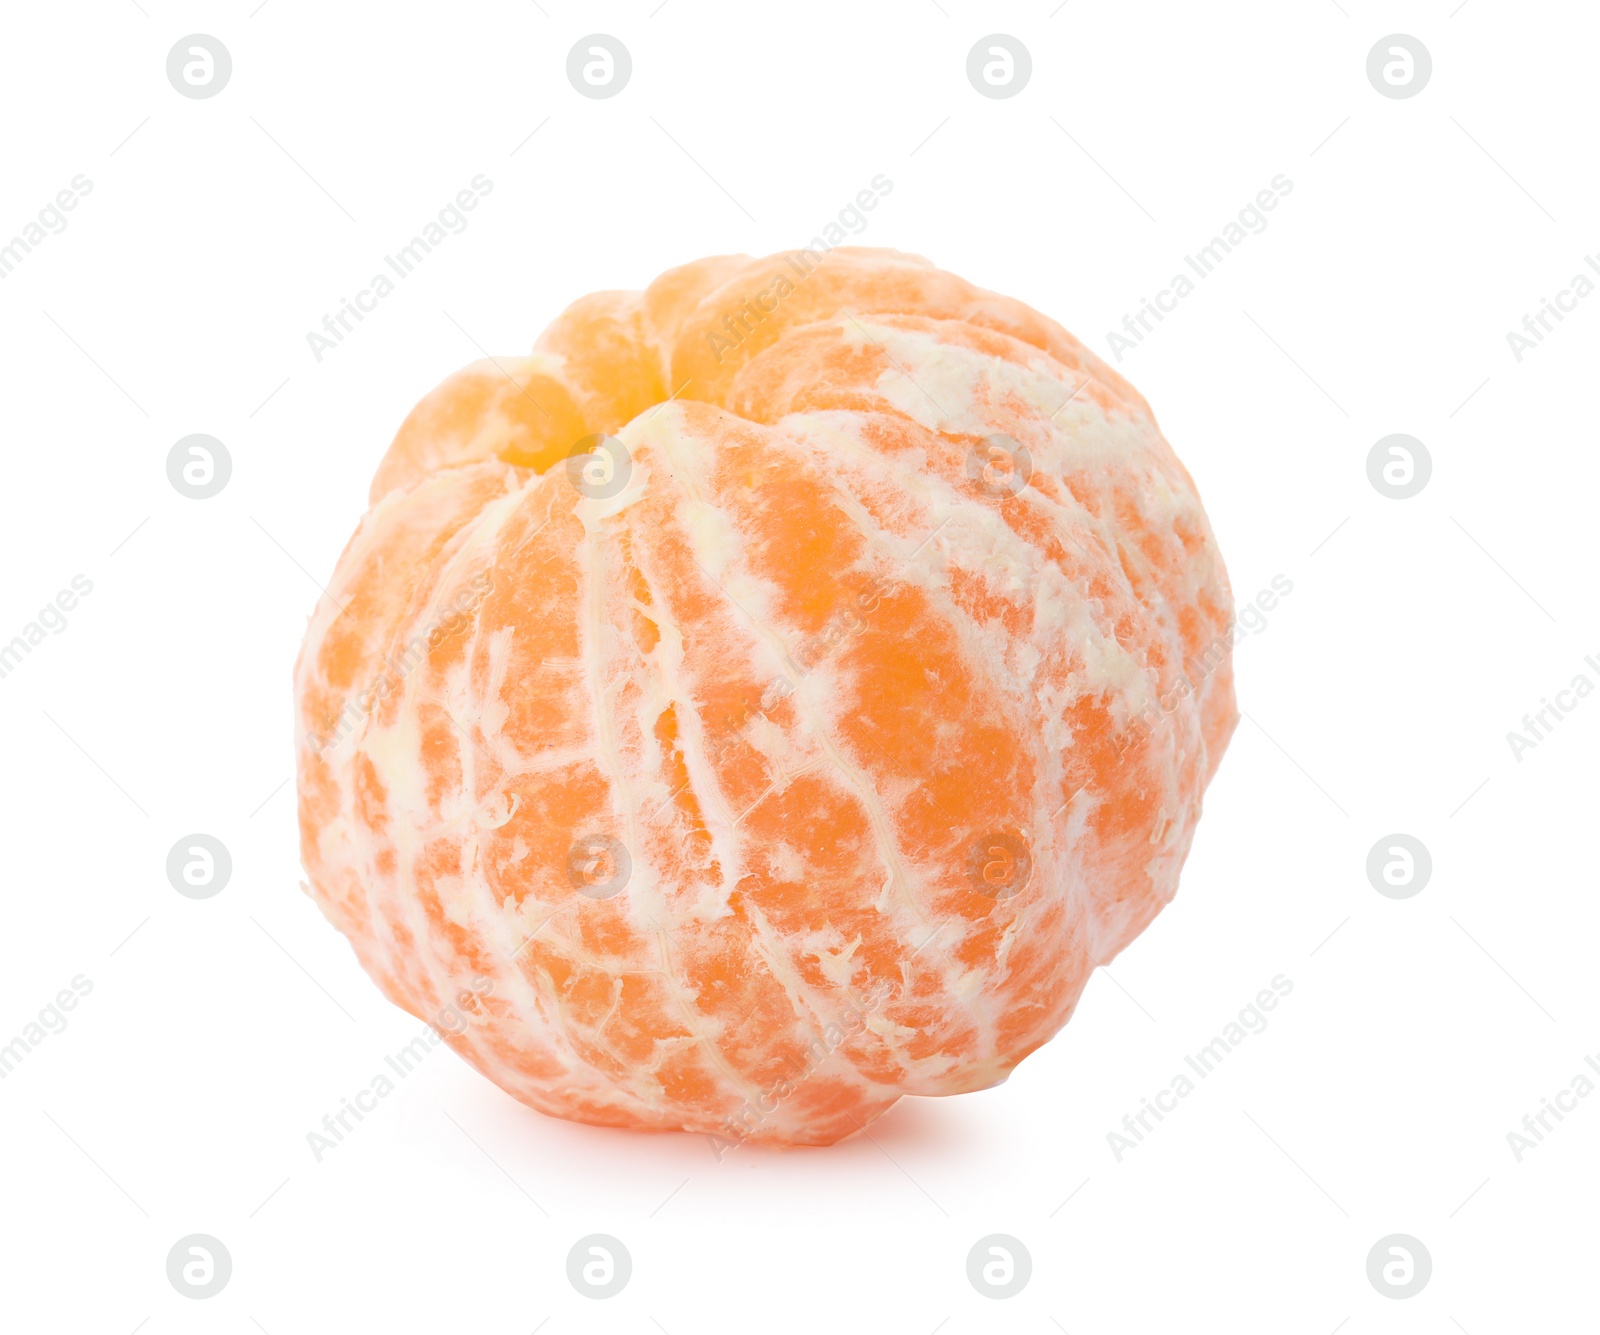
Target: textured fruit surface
{"points": [[772, 696]]}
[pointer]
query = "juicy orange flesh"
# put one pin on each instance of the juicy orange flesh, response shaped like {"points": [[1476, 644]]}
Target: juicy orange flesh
{"points": [[828, 654]]}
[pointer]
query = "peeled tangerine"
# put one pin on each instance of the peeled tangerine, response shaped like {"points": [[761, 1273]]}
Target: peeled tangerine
{"points": [[771, 697]]}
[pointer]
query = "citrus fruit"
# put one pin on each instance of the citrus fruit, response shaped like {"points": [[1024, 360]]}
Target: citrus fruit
{"points": [[771, 697]]}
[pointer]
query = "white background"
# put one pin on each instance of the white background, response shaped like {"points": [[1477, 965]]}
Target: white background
{"points": [[1377, 699]]}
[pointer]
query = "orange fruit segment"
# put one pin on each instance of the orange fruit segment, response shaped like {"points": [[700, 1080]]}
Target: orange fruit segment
{"points": [[772, 696]]}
